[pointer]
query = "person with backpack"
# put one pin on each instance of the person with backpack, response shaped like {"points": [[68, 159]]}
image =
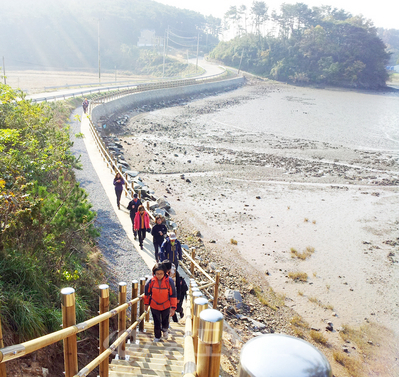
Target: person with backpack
{"points": [[181, 287], [160, 295], [171, 250], [133, 207]]}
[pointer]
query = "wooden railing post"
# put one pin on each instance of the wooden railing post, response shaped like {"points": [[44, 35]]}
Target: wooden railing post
{"points": [[216, 291], [69, 319], [200, 304], [135, 292], [192, 263], [104, 328], [209, 343], [122, 318], [3, 371], [142, 286]]}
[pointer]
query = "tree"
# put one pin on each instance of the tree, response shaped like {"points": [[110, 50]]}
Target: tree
{"points": [[259, 14]]}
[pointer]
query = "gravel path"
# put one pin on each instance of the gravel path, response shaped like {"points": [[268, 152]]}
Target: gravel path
{"points": [[124, 263]]}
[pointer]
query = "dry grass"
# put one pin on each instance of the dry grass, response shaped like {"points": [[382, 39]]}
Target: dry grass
{"points": [[351, 364], [233, 242], [298, 276], [269, 298], [304, 255], [318, 337], [319, 303], [298, 321], [305, 220], [300, 293], [314, 222]]}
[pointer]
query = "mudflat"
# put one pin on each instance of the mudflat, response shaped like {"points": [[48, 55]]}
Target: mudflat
{"points": [[317, 219]]}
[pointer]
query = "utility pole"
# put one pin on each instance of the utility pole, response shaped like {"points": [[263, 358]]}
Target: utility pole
{"points": [[196, 65], [163, 66], [99, 59], [242, 52], [4, 72]]}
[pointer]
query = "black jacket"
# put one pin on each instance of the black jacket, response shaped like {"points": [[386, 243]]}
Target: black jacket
{"points": [[155, 233]]}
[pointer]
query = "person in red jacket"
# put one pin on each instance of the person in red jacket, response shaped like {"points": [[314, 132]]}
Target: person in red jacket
{"points": [[141, 224], [160, 295]]}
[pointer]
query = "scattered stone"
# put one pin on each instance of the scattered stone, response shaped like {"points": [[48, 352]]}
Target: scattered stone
{"points": [[234, 296], [188, 180]]}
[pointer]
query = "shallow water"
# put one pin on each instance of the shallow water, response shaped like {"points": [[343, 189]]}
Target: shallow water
{"points": [[352, 119]]}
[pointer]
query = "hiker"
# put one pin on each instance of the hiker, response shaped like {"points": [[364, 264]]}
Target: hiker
{"points": [[171, 249], [85, 105], [158, 232], [133, 207], [118, 183], [181, 287], [160, 295], [141, 224]]}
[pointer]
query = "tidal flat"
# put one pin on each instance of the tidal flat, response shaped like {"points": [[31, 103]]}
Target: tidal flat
{"points": [[261, 166]]}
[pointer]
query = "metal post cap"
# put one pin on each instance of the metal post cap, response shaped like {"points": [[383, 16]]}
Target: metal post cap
{"points": [[104, 290], [195, 289], [282, 355], [211, 326], [68, 296], [122, 287], [200, 304], [197, 294]]}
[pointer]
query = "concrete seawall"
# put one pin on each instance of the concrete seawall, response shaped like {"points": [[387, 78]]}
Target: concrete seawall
{"points": [[154, 96]]}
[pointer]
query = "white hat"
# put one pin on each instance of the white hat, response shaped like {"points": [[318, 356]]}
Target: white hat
{"points": [[172, 236]]}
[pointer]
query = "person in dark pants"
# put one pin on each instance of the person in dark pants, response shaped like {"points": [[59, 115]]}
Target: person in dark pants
{"points": [[171, 249], [133, 207], [158, 232], [181, 287], [142, 224], [118, 183], [160, 295]]}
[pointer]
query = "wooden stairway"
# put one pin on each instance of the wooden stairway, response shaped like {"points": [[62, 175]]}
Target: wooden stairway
{"points": [[147, 358]]}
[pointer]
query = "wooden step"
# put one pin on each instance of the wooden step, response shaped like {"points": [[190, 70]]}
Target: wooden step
{"points": [[170, 365], [149, 358]]}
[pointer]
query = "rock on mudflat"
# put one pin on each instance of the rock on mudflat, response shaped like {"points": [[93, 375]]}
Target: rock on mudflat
{"points": [[233, 296]]}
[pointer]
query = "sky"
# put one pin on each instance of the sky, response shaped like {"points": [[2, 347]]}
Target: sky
{"points": [[383, 13]]}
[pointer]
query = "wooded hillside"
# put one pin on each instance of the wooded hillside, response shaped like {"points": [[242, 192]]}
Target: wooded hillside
{"points": [[300, 44]]}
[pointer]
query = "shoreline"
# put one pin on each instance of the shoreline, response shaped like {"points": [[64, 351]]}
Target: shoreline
{"points": [[225, 200]]}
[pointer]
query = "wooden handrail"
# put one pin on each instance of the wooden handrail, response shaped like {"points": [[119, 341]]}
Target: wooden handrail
{"points": [[188, 256], [100, 358], [18, 350]]}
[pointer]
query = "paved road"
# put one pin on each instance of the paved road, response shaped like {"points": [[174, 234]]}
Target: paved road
{"points": [[211, 70]]}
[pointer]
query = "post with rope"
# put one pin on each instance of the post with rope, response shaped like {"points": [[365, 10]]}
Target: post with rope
{"points": [[135, 291], [104, 328], [142, 288], [69, 319], [122, 318], [192, 262], [216, 292]]}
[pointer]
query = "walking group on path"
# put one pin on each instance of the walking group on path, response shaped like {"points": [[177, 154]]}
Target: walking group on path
{"points": [[166, 290]]}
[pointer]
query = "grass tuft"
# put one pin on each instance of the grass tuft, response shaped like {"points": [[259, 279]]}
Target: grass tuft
{"points": [[318, 337], [233, 242], [304, 255], [298, 276]]}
